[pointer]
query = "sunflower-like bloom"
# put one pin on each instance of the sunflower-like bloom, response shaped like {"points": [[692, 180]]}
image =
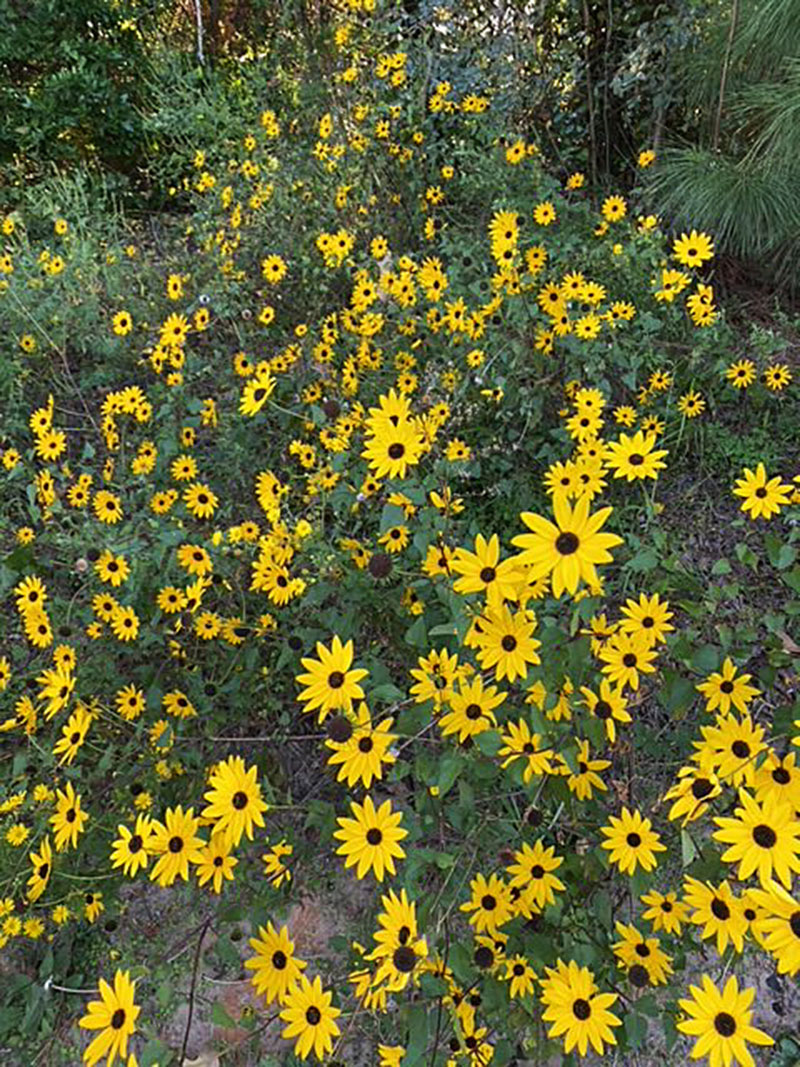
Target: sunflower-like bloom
{"points": [[234, 800], [642, 957], [631, 841], [779, 927], [569, 550], [275, 966], [393, 448], [371, 839], [577, 1010], [330, 683], [114, 1015], [481, 571], [762, 497], [692, 250], [763, 839], [176, 844], [721, 1023], [310, 1015]]}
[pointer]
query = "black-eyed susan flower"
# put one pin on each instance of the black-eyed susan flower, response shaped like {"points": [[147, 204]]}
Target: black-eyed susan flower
{"points": [[608, 704], [635, 457], [200, 500], [331, 684], [216, 864], [664, 911], [41, 869], [506, 642], [471, 709], [730, 749], [631, 841], [489, 903], [642, 957], [692, 793], [693, 250], [276, 868], [129, 850], [576, 1010], [176, 844], [625, 656], [69, 820], [482, 572], [275, 966], [73, 734], [234, 800], [718, 911], [370, 839], [721, 1023], [114, 1015], [778, 927], [763, 839], [585, 778], [520, 743], [777, 376], [363, 756], [310, 1016], [762, 497], [569, 550], [532, 873], [691, 404]]}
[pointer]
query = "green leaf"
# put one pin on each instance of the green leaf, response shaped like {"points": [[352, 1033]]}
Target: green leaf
{"points": [[721, 567], [220, 1017], [489, 742], [706, 659], [689, 851], [417, 1036]]}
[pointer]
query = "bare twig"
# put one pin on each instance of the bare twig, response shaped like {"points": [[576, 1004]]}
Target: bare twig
{"points": [[193, 986]]}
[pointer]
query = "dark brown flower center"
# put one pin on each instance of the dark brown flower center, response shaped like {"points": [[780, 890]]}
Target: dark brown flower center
{"points": [[396, 450], [239, 800], [629, 659], [488, 902], [724, 1024], [726, 687], [473, 711], [642, 950], [176, 844], [484, 957], [635, 459], [740, 749], [633, 839], [488, 574], [537, 871], [764, 836], [313, 1015], [118, 1019], [567, 543], [509, 643], [720, 909], [701, 787], [374, 836], [336, 680], [603, 709], [794, 923], [404, 959], [581, 1009], [279, 960], [638, 976], [135, 843], [365, 744], [781, 776]]}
